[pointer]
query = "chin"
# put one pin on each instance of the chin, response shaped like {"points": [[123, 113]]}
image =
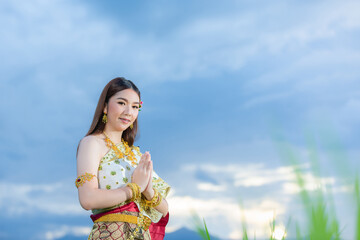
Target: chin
{"points": [[121, 128]]}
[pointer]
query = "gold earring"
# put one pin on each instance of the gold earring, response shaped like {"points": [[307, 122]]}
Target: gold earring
{"points": [[131, 126], [104, 119]]}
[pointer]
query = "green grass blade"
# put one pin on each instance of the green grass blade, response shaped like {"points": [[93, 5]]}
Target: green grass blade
{"points": [[272, 228], [243, 222], [357, 197], [203, 232], [207, 232], [298, 232]]}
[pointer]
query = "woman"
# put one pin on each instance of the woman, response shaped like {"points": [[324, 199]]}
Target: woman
{"points": [[115, 180]]}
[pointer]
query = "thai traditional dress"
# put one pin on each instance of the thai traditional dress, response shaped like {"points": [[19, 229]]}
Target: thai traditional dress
{"points": [[115, 173]]}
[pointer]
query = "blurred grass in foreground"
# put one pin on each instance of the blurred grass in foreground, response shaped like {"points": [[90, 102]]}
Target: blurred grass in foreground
{"points": [[319, 208]]}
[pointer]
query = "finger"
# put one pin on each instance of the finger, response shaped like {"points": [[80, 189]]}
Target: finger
{"points": [[149, 167], [150, 180], [143, 165], [146, 156], [148, 164], [143, 157]]}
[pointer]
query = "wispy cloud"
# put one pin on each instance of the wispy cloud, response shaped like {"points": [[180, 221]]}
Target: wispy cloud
{"points": [[27, 199], [204, 186], [229, 211], [278, 191], [65, 230], [206, 46]]}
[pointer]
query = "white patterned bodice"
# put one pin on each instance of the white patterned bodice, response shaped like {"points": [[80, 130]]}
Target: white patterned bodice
{"points": [[115, 173]]}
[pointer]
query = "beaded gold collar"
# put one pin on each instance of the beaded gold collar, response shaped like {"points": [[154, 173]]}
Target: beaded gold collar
{"points": [[128, 154]]}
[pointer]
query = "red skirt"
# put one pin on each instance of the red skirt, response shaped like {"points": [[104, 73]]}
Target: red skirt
{"points": [[157, 230]]}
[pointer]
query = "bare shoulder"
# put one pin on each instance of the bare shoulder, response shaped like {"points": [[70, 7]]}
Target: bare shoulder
{"points": [[92, 145], [91, 149], [90, 141]]}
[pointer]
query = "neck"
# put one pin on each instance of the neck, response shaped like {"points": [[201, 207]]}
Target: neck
{"points": [[114, 136]]}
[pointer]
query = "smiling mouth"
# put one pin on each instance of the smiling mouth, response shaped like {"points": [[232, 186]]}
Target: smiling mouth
{"points": [[125, 120]]}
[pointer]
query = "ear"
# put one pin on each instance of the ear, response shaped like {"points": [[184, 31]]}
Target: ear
{"points": [[105, 109]]}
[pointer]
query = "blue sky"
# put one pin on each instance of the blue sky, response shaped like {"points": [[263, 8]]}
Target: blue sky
{"points": [[216, 79]]}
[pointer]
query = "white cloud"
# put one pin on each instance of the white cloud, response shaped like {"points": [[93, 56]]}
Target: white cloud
{"points": [[22, 198], [312, 183], [262, 176], [225, 211], [211, 187], [65, 230], [278, 195], [197, 48], [212, 202], [172, 228], [267, 98]]}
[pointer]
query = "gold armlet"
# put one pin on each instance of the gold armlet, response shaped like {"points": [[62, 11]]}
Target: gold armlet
{"points": [[135, 189], [83, 178]]}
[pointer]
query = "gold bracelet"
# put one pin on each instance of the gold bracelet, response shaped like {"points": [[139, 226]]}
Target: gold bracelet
{"points": [[148, 203], [158, 201], [135, 189], [155, 201]]}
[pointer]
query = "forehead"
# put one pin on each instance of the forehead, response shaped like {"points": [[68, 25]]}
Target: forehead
{"points": [[128, 94]]}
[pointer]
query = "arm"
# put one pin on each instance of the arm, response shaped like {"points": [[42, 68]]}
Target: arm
{"points": [[148, 193], [163, 207], [90, 196]]}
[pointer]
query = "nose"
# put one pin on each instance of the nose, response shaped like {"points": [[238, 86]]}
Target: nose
{"points": [[128, 110]]}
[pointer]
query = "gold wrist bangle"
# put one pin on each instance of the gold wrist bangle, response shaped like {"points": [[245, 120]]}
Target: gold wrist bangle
{"points": [[148, 202], [135, 189], [155, 201]]}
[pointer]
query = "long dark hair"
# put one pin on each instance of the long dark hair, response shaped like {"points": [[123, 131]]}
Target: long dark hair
{"points": [[114, 86]]}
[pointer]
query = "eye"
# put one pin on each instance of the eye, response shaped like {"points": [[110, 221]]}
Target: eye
{"points": [[121, 103], [136, 107]]}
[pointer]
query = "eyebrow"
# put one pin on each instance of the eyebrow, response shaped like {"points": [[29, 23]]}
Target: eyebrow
{"points": [[126, 100]]}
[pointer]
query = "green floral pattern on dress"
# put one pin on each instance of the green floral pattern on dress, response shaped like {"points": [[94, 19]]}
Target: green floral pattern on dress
{"points": [[114, 173]]}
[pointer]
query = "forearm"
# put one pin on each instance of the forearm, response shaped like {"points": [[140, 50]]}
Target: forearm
{"points": [[91, 198], [163, 207]]}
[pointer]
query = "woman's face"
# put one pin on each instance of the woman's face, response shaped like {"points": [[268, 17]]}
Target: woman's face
{"points": [[122, 109]]}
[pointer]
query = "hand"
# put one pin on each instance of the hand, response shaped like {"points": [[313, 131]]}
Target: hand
{"points": [[143, 171], [149, 191]]}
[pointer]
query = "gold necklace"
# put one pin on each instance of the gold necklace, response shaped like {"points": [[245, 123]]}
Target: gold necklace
{"points": [[119, 154]]}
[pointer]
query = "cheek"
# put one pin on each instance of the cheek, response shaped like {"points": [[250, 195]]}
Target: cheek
{"points": [[136, 115], [114, 109]]}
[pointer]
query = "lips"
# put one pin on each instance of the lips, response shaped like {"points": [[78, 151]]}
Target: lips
{"points": [[125, 120]]}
